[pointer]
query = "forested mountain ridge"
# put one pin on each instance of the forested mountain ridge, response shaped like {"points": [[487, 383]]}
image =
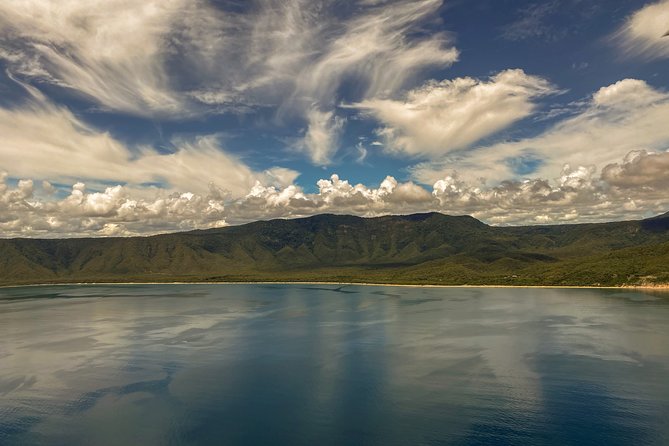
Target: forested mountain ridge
{"points": [[429, 248]]}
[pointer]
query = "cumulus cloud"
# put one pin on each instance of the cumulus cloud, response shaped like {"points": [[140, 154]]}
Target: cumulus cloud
{"points": [[115, 211], [644, 33], [45, 141], [440, 117], [334, 195], [627, 94], [636, 187], [577, 194], [620, 118], [640, 169], [122, 210]]}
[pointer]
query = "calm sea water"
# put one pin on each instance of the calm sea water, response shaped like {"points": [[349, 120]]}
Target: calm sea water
{"points": [[319, 365]]}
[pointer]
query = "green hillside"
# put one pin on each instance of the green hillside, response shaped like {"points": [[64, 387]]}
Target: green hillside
{"points": [[416, 249]]}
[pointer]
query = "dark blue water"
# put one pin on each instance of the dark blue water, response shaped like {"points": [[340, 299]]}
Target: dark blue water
{"points": [[321, 365]]}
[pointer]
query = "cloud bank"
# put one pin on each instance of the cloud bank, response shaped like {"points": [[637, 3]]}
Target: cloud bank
{"points": [[634, 187]]}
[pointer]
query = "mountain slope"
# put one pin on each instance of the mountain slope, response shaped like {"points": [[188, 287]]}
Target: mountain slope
{"points": [[419, 248]]}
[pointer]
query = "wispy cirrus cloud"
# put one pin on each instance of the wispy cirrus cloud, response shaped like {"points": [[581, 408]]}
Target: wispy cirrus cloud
{"points": [[113, 52], [322, 135], [300, 54], [644, 33], [179, 58], [379, 47], [532, 23], [44, 141]]}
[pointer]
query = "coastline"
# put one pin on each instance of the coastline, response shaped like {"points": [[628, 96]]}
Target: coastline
{"points": [[659, 287]]}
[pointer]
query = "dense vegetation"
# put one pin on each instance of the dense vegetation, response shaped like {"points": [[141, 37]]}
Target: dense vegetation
{"points": [[416, 249]]}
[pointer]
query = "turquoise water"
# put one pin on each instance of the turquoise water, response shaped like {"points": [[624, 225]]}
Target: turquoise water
{"points": [[320, 365]]}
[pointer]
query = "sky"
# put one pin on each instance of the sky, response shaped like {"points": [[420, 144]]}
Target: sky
{"points": [[121, 117]]}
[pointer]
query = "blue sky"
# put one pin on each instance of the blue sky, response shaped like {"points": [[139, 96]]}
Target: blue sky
{"points": [[125, 117]]}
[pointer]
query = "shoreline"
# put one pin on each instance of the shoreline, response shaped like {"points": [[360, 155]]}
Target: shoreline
{"points": [[587, 287]]}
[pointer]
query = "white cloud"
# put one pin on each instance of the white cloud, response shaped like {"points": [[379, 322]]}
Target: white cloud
{"points": [[334, 195], [644, 33], [577, 194], [362, 152], [301, 58], [375, 47], [322, 135], [640, 169], [441, 117], [114, 51], [298, 54], [180, 57], [124, 210], [623, 117], [116, 211], [41, 140], [637, 187], [627, 94]]}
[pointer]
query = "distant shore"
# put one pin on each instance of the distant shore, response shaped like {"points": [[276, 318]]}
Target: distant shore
{"points": [[659, 287]]}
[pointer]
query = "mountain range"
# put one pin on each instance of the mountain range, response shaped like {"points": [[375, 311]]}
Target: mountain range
{"points": [[429, 248]]}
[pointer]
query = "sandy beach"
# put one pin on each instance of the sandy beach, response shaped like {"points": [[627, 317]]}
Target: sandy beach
{"points": [[659, 287]]}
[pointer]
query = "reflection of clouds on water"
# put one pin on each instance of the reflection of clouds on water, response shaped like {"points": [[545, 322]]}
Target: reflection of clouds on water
{"points": [[494, 341], [70, 350], [399, 365], [18, 383]]}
